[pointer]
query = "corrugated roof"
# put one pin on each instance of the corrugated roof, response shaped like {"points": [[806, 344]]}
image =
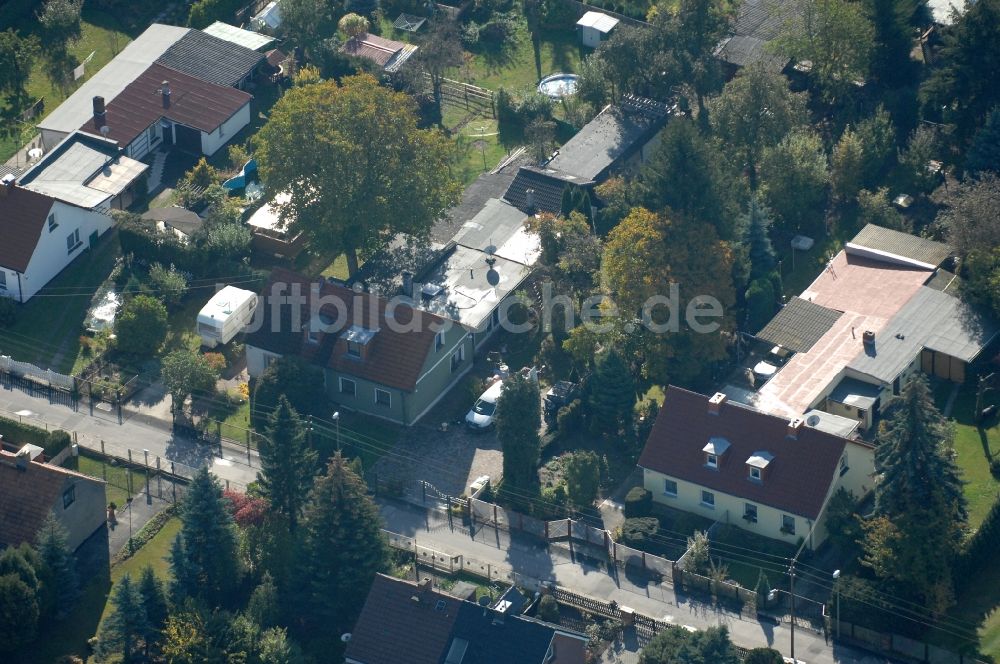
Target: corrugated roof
{"points": [[394, 358], [193, 103], [114, 77], [799, 325], [893, 245], [29, 495], [797, 480], [211, 59], [246, 38], [386, 53], [22, 220], [83, 170], [598, 21], [764, 19], [933, 320]]}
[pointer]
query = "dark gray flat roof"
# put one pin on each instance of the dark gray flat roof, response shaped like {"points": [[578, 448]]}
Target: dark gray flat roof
{"points": [[856, 393], [933, 320], [893, 243], [496, 224], [799, 325], [210, 58]]}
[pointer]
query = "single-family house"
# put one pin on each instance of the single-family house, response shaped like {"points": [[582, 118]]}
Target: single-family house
{"points": [[882, 310], [175, 220], [205, 57], [432, 627], [87, 171], [31, 490], [767, 474], [619, 138], [41, 236], [165, 108], [380, 356], [595, 27], [388, 54]]}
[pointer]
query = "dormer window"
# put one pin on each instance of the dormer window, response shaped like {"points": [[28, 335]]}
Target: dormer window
{"points": [[354, 349], [357, 339], [757, 464], [439, 340], [714, 451]]}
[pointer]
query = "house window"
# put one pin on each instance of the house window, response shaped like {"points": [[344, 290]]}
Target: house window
{"points": [[314, 336], [788, 524], [73, 241], [354, 349], [457, 359], [152, 133], [708, 499], [712, 461], [69, 496], [348, 387], [670, 488], [52, 222], [754, 473], [750, 512], [439, 340], [383, 398], [3, 280], [843, 464]]}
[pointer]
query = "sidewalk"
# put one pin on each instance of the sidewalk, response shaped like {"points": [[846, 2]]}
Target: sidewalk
{"points": [[566, 568]]}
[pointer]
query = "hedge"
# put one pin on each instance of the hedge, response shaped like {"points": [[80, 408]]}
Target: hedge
{"points": [[980, 549], [638, 503], [53, 442]]}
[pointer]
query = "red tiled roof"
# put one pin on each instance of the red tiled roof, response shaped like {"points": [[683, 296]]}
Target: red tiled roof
{"points": [[372, 47], [393, 358], [193, 102], [22, 219], [393, 627], [797, 480], [27, 496]]}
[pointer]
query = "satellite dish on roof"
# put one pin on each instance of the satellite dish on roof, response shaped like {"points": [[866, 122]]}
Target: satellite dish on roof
{"points": [[492, 277], [812, 420], [345, 637]]}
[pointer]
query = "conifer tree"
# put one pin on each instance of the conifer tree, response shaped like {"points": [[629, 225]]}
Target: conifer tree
{"points": [[127, 625], [612, 399], [154, 602], [59, 581], [342, 548], [287, 463], [518, 417], [984, 155], [755, 236], [920, 510], [264, 607], [209, 566]]}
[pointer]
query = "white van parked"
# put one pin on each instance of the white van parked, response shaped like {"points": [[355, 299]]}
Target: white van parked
{"points": [[226, 315], [480, 417]]}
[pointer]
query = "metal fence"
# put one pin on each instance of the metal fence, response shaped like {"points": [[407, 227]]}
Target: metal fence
{"points": [[896, 644]]}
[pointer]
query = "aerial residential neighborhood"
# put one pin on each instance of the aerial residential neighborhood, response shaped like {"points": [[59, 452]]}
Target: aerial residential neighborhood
{"points": [[519, 331]]}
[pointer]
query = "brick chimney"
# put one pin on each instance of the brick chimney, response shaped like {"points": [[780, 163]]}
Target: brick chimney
{"points": [[165, 92], [793, 428], [715, 403], [100, 112]]}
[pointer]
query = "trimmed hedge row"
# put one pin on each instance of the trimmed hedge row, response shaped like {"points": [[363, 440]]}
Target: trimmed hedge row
{"points": [[53, 442]]}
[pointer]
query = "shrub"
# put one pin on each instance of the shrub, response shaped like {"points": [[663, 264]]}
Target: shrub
{"points": [[638, 503], [548, 609], [570, 417], [56, 442], [639, 534], [141, 327]]}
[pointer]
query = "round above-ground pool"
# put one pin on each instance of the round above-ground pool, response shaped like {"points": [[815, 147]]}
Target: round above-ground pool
{"points": [[557, 86]]}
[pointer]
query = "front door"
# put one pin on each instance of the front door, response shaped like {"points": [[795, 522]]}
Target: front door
{"points": [[93, 239]]}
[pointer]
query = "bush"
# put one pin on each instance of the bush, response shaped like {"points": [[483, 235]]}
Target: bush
{"points": [[548, 609], [141, 327], [55, 442], [8, 312], [570, 417], [17, 433], [763, 656], [640, 533], [638, 503]]}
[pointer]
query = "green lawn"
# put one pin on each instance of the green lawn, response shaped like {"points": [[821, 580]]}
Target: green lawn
{"points": [[154, 553], [479, 145], [518, 69], [101, 34], [117, 477], [182, 323], [48, 328]]}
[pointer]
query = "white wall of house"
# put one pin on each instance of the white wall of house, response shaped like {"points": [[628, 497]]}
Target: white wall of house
{"points": [[258, 359], [10, 285], [210, 143], [55, 251], [52, 138], [81, 508]]}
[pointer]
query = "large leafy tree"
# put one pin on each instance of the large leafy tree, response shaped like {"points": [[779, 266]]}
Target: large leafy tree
{"points": [[920, 509], [17, 56], [691, 32], [352, 158], [964, 83], [518, 416], [972, 218], [287, 463], [311, 21], [754, 112], [141, 327], [342, 549], [205, 560], [649, 255], [440, 52], [984, 154], [185, 373], [836, 37], [676, 644], [688, 174], [796, 177]]}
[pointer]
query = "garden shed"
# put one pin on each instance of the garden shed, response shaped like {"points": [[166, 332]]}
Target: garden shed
{"points": [[595, 27]]}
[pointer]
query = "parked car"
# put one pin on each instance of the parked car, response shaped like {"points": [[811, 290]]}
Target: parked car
{"points": [[480, 416], [774, 360], [559, 395]]}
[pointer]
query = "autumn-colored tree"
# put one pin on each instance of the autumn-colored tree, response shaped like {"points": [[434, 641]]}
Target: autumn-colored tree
{"points": [[352, 158], [352, 25]]}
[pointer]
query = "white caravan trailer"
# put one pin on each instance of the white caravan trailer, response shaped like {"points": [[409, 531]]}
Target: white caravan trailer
{"points": [[226, 314]]}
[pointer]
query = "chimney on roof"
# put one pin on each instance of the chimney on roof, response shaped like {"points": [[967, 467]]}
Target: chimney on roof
{"points": [[99, 111], [6, 184], [868, 338], [529, 199], [165, 92], [23, 458], [793, 428], [407, 283], [715, 403]]}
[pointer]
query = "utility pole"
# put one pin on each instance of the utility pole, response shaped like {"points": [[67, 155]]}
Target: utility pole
{"points": [[791, 588]]}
